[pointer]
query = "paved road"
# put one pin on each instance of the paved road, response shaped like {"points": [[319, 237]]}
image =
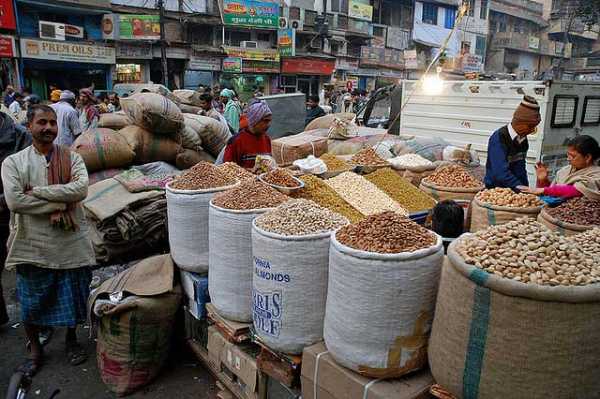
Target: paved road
{"points": [[182, 376]]}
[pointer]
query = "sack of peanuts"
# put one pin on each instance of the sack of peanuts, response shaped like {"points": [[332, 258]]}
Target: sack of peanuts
{"points": [[153, 112], [572, 217], [230, 246], [451, 182], [188, 197], [103, 149], [288, 149], [149, 147], [383, 278], [491, 298], [501, 205], [290, 247]]}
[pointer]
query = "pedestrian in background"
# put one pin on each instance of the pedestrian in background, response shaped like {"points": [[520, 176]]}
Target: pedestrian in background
{"points": [[313, 110], [49, 246], [88, 113], [9, 95], [67, 117], [206, 101], [232, 111], [54, 93], [13, 138], [114, 104]]}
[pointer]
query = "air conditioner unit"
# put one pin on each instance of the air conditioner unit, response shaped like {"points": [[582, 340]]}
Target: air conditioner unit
{"points": [[297, 24], [248, 44], [52, 30], [283, 23]]}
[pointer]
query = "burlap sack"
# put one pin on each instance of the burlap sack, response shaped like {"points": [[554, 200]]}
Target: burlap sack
{"points": [[103, 175], [116, 120], [440, 193], [288, 149], [188, 158], [103, 149], [150, 147], [189, 109], [415, 177], [153, 112], [324, 122], [188, 97], [562, 228], [484, 215], [380, 308], [190, 139], [214, 134], [498, 338]]}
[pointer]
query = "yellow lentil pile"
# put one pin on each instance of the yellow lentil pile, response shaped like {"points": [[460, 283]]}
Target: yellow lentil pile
{"points": [[316, 190], [334, 164], [400, 190]]}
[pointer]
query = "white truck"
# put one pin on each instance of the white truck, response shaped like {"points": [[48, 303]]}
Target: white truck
{"points": [[468, 112]]}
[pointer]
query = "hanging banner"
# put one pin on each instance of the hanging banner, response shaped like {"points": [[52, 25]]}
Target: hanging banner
{"points": [[259, 54], [286, 42], [252, 13], [308, 66], [7, 15], [232, 65], [410, 59], [359, 10], [139, 27]]}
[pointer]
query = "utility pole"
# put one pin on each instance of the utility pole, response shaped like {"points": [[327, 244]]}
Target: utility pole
{"points": [[163, 45]]}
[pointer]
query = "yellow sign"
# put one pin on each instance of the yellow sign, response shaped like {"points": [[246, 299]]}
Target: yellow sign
{"points": [[360, 10], [257, 54]]}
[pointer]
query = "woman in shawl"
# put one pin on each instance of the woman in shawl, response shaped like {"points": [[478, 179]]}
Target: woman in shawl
{"points": [[580, 178], [89, 114], [232, 110]]}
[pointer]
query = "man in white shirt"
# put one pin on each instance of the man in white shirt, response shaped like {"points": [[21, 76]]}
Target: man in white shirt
{"points": [[17, 105], [67, 117]]}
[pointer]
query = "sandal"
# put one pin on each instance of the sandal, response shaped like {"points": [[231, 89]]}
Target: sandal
{"points": [[76, 354], [45, 335], [31, 366]]}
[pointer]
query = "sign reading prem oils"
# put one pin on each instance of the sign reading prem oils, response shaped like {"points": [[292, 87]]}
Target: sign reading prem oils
{"points": [[65, 51]]}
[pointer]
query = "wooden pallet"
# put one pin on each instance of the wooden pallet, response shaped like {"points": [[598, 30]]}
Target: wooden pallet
{"points": [[277, 365], [233, 331]]}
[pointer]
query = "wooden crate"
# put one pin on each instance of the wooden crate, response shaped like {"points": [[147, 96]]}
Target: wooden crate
{"points": [[233, 331], [279, 366]]}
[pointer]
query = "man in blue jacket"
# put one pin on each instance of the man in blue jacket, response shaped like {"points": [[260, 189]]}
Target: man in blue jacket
{"points": [[507, 148]]}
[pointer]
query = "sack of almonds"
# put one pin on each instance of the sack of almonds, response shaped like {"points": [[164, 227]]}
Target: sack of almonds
{"points": [[517, 303], [572, 217], [501, 205], [451, 182]]}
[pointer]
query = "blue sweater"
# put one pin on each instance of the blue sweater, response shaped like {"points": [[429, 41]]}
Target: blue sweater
{"points": [[506, 161]]}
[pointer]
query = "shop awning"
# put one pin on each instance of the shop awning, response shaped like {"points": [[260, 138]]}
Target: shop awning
{"points": [[65, 7]]}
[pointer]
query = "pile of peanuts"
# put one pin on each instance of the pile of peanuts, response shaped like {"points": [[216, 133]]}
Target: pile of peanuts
{"points": [[281, 178], [363, 195], [202, 176], [300, 217], [589, 241], [507, 197], [454, 176], [234, 170], [582, 211], [367, 157], [250, 194], [316, 190], [526, 251], [400, 190], [409, 161], [387, 233], [334, 164]]}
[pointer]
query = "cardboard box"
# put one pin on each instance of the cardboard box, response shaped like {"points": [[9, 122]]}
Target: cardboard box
{"points": [[336, 382], [235, 362], [288, 149], [195, 287]]}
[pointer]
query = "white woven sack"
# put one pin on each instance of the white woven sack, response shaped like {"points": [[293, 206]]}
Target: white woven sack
{"points": [[230, 261], [373, 301], [187, 218], [289, 288]]}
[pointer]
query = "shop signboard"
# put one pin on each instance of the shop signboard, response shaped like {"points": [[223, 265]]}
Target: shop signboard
{"points": [[232, 65], [251, 13], [410, 59], [7, 47], [139, 27], [286, 42], [259, 54], [142, 51], [67, 51], [307, 66], [346, 64], [204, 63], [382, 57], [397, 38], [7, 15], [361, 10], [255, 66], [534, 42], [471, 63]]}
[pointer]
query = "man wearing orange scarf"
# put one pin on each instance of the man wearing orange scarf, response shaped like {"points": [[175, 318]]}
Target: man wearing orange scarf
{"points": [[48, 243]]}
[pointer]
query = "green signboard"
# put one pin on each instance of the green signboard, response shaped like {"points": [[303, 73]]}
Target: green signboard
{"points": [[286, 42], [252, 13], [139, 27], [232, 65]]}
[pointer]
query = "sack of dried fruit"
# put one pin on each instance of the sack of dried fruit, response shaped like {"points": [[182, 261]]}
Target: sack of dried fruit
{"points": [[504, 322], [188, 197], [230, 245], [290, 247], [572, 217], [501, 205], [383, 279], [451, 182]]}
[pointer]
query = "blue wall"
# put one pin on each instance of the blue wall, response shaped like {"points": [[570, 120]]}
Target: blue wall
{"points": [[29, 18]]}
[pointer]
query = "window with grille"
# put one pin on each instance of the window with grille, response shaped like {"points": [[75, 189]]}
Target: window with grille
{"points": [[564, 111], [591, 112], [335, 5], [450, 17], [309, 17], [430, 13], [483, 9], [471, 11]]}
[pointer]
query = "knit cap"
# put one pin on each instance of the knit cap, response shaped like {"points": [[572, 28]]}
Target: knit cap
{"points": [[527, 112]]}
